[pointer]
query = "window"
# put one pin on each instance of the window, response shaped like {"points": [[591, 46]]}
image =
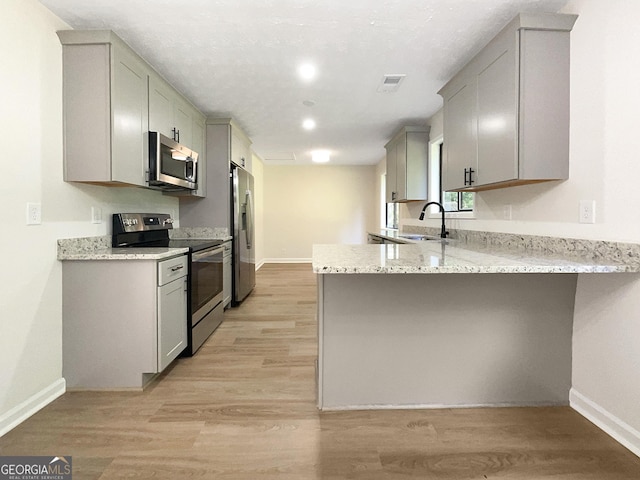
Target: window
{"points": [[393, 213], [459, 203]]}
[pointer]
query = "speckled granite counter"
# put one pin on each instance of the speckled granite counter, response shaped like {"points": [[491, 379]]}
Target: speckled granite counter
{"points": [[200, 233], [453, 257], [477, 252], [99, 248], [393, 341]]}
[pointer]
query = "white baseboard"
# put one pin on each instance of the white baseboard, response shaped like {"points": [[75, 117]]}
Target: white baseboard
{"points": [[31, 405], [435, 406], [623, 433], [286, 260]]}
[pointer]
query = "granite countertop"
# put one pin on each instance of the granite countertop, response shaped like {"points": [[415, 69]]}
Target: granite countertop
{"points": [[99, 248], [452, 257], [155, 253]]}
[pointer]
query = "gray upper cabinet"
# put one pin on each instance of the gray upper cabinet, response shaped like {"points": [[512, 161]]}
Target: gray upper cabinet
{"points": [[407, 163], [506, 113], [198, 142], [171, 114], [106, 112], [174, 117], [112, 98]]}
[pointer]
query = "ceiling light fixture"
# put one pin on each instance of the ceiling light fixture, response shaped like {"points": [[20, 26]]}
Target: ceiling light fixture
{"points": [[309, 124], [307, 71], [320, 156]]}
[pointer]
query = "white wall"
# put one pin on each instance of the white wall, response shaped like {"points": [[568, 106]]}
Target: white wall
{"points": [[604, 139], [605, 146], [309, 204], [380, 214], [31, 121], [257, 170]]}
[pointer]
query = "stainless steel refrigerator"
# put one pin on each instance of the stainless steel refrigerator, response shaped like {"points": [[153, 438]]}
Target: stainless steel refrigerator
{"points": [[242, 228]]}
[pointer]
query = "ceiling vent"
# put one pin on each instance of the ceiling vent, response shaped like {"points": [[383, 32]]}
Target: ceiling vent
{"points": [[280, 157], [391, 82]]}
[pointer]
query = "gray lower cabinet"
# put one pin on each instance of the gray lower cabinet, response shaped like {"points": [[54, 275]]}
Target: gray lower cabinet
{"points": [[506, 113], [407, 163], [172, 310], [106, 109], [124, 321], [227, 274]]}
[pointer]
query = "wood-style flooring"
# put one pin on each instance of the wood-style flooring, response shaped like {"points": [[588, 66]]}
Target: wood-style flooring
{"points": [[244, 408]]}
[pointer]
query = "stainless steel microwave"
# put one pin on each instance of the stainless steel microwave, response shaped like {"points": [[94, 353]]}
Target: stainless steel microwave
{"points": [[172, 166]]}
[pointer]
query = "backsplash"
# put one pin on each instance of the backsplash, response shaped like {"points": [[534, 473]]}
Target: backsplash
{"points": [[584, 249], [89, 245], [68, 246], [199, 232]]}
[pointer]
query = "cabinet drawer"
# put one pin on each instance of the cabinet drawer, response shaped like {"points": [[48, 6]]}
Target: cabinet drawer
{"points": [[169, 270]]}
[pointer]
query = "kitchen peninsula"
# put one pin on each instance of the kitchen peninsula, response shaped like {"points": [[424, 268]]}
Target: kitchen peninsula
{"points": [[440, 324]]}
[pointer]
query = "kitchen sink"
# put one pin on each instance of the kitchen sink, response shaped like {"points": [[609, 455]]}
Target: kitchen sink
{"points": [[421, 238]]}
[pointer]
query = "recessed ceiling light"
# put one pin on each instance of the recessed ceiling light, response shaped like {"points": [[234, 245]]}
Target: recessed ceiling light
{"points": [[309, 124], [320, 156], [307, 71]]}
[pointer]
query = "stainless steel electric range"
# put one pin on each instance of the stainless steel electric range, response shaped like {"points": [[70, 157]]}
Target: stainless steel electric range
{"points": [[205, 279]]}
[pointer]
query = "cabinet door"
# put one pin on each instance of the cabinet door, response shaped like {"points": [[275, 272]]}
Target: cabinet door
{"points": [[172, 321], [497, 110], [198, 145], [130, 118], [161, 99], [240, 151], [182, 118], [417, 162], [391, 176], [401, 169], [227, 280], [460, 144]]}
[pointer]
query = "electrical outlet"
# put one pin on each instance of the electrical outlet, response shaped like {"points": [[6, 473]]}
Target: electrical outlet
{"points": [[587, 211], [34, 213], [506, 212], [96, 215]]}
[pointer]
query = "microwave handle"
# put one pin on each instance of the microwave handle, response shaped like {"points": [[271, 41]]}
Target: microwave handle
{"points": [[189, 164]]}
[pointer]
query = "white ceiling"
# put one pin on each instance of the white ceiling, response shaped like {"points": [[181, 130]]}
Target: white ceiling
{"points": [[239, 59]]}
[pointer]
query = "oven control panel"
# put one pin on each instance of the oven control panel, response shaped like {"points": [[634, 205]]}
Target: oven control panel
{"points": [[141, 222]]}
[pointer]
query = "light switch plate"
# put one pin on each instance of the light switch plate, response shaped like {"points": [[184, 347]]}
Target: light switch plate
{"points": [[507, 212], [587, 211], [34, 213], [96, 215]]}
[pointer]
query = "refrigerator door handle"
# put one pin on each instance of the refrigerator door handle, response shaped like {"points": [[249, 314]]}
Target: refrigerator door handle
{"points": [[249, 218]]}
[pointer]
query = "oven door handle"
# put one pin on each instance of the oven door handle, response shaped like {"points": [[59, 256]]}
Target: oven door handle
{"points": [[207, 253]]}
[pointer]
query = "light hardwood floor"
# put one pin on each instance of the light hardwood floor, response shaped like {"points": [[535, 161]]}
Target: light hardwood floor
{"points": [[244, 408]]}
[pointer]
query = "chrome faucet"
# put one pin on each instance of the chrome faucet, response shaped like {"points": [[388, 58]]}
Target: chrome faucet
{"points": [[443, 230]]}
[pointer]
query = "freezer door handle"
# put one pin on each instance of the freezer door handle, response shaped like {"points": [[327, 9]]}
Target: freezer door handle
{"points": [[248, 218]]}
